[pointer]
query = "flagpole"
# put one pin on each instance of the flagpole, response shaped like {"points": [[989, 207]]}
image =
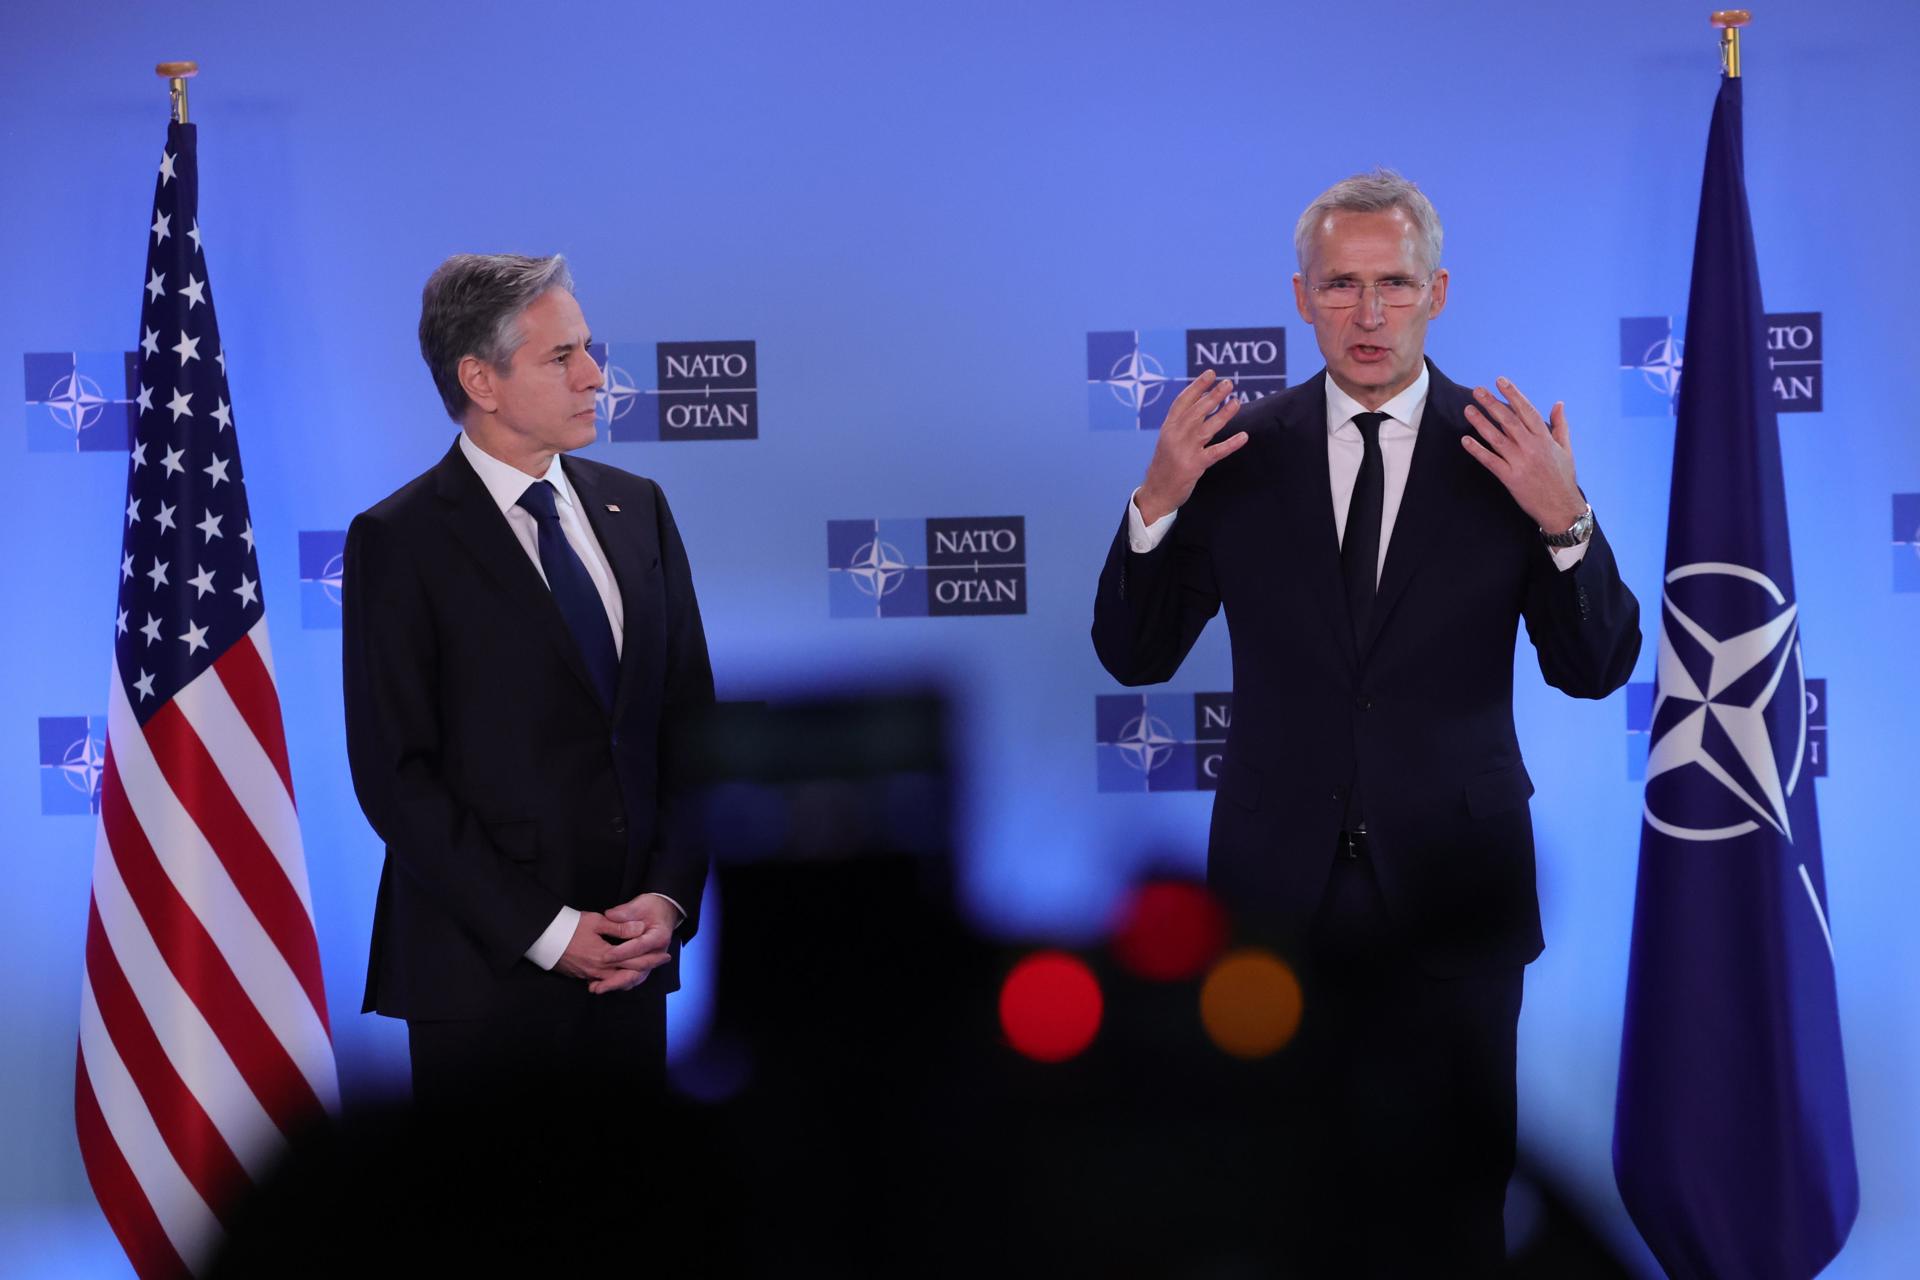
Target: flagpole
{"points": [[176, 74], [1729, 21]]}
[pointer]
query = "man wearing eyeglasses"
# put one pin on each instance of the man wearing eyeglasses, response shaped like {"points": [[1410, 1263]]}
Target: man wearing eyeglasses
{"points": [[1377, 535]]}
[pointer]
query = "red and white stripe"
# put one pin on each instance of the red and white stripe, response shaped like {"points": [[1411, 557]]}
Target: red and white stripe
{"points": [[204, 1042]]}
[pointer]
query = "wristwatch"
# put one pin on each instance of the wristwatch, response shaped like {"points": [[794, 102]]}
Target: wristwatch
{"points": [[1579, 532]]}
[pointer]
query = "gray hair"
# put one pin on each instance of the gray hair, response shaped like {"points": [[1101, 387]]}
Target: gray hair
{"points": [[472, 306], [1375, 192]]}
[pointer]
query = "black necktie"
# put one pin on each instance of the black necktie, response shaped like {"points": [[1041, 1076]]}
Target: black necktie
{"points": [[1360, 545], [573, 591]]}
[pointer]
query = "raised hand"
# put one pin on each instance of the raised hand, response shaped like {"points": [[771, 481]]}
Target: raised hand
{"points": [[1183, 455], [1531, 456]]}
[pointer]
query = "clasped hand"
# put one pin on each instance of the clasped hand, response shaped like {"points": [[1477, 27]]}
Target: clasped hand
{"points": [[617, 949]]}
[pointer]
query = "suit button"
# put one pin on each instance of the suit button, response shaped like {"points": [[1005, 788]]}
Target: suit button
{"points": [[1340, 793], [1363, 701], [619, 826]]}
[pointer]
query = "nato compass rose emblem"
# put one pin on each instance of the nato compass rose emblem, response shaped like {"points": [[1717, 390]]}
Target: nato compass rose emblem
{"points": [[1730, 704], [878, 569], [1651, 359], [1136, 380], [332, 576], [73, 758], [75, 402], [614, 400], [1160, 741], [1661, 365], [1146, 742], [82, 766], [323, 575], [1132, 377]]}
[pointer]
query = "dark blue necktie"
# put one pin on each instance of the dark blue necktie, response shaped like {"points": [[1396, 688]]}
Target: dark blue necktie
{"points": [[573, 591], [1360, 545]]}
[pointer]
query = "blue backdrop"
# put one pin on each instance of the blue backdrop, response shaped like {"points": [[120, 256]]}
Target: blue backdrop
{"points": [[917, 215]]}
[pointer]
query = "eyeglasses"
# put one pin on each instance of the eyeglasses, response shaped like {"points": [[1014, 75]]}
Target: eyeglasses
{"points": [[1394, 291]]}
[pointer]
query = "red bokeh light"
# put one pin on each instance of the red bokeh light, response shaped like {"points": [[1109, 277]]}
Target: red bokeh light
{"points": [[1050, 1006], [1169, 932]]}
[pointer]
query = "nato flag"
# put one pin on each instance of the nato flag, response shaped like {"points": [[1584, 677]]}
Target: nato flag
{"points": [[1732, 1142]]}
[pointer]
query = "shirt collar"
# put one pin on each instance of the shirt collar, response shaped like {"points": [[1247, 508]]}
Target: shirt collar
{"points": [[1407, 408], [506, 483]]}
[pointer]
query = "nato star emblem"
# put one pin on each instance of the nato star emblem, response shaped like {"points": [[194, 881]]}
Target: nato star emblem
{"points": [[1661, 366], [1137, 379], [1717, 707], [1146, 743], [614, 400], [85, 760], [877, 569]]}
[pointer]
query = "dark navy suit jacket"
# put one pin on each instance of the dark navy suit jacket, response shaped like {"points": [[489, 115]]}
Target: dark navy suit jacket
{"points": [[502, 786], [1418, 714]]}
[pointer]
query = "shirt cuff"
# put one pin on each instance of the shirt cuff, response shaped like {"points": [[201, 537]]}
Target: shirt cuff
{"points": [[672, 902], [551, 945], [1564, 558], [1141, 536]]}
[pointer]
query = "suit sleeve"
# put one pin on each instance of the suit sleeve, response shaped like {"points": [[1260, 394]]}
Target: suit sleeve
{"points": [[1584, 623], [677, 868], [390, 672], [1151, 606]]}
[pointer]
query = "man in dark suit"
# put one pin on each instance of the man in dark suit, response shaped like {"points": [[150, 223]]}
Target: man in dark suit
{"points": [[1376, 536], [522, 646]]}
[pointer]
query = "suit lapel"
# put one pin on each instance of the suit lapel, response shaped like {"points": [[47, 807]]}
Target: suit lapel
{"points": [[1306, 501], [623, 540], [1421, 518], [478, 525]]}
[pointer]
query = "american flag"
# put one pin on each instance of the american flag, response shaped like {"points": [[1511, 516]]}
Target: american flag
{"points": [[204, 1042]]}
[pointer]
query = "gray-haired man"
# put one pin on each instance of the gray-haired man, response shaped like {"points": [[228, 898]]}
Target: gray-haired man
{"points": [[521, 645], [1377, 535]]}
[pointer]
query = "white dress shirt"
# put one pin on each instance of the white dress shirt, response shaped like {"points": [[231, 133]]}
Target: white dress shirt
{"points": [[1398, 435], [505, 484]]}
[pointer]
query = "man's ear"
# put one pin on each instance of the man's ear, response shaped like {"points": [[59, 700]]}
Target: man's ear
{"points": [[1300, 297], [477, 378], [1439, 293]]}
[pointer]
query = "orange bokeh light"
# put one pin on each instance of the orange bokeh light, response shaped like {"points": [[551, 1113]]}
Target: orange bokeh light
{"points": [[1250, 1004], [1050, 1006]]}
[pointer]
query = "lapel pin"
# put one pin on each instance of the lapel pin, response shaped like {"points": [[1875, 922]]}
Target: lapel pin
{"points": [[614, 507]]}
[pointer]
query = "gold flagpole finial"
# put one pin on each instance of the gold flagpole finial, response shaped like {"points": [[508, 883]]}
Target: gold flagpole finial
{"points": [[176, 74], [1730, 21]]}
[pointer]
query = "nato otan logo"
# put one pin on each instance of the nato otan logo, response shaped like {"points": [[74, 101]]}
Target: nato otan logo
{"points": [[1640, 728], [1133, 375], [678, 391], [935, 568], [1652, 352], [323, 561], [83, 401], [1906, 542], [73, 752], [1161, 741]]}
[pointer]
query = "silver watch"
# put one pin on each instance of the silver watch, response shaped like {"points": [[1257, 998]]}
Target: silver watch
{"points": [[1579, 532]]}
